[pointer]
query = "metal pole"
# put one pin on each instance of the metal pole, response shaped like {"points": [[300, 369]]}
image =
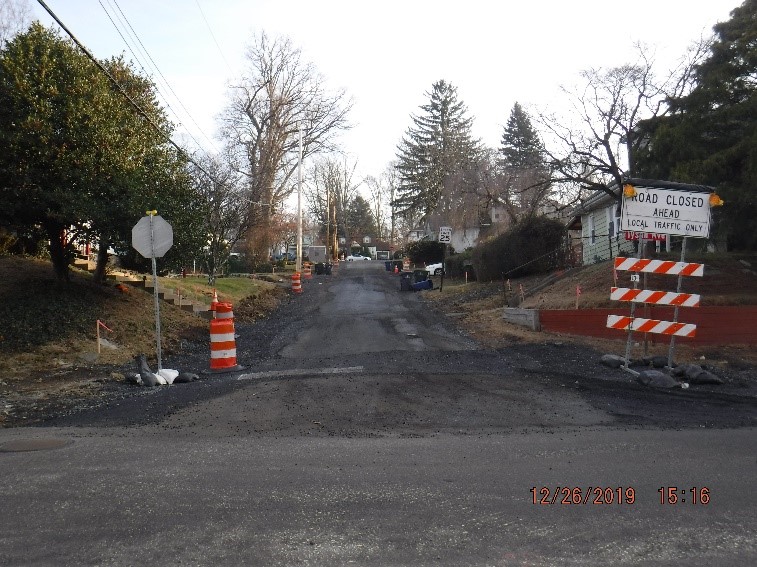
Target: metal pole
{"points": [[639, 254], [672, 347], [298, 262], [155, 291]]}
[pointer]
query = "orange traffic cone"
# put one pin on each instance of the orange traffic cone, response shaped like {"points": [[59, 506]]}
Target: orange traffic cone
{"points": [[396, 269], [214, 303]]}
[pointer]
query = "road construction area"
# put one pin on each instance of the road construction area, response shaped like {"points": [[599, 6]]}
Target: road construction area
{"points": [[366, 428]]}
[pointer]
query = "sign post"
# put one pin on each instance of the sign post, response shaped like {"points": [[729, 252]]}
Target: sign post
{"points": [[152, 237]]}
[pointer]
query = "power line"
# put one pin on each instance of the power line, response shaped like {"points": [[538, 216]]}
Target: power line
{"points": [[202, 13], [121, 90], [154, 67]]}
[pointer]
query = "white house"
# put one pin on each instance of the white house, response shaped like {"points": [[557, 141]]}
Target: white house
{"points": [[598, 220]]}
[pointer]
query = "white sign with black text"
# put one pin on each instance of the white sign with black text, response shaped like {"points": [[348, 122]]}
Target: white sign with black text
{"points": [[667, 211], [445, 234]]}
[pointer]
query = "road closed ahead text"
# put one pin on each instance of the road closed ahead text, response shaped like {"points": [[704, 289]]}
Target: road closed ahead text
{"points": [[667, 211]]}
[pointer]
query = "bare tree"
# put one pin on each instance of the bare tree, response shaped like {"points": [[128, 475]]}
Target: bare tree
{"points": [[15, 17], [593, 146], [332, 190], [226, 217], [278, 100], [380, 190]]}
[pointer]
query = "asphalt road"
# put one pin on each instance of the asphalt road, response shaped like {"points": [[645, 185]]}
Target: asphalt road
{"points": [[367, 430]]}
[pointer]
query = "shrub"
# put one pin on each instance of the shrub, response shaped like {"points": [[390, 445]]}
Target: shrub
{"points": [[533, 246], [427, 252]]}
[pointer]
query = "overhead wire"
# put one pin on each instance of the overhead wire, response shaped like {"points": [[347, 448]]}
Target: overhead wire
{"points": [[123, 92], [210, 30], [119, 88], [156, 72]]}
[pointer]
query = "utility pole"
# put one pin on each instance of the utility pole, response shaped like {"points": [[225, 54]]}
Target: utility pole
{"points": [[298, 262], [329, 249]]}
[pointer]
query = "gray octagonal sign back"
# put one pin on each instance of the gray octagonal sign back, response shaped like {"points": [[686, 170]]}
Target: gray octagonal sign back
{"points": [[162, 236]]}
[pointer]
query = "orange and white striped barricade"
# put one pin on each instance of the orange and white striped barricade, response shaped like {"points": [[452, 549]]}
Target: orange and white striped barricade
{"points": [[638, 324], [406, 264], [659, 267], [307, 271], [223, 347], [296, 283], [655, 297]]}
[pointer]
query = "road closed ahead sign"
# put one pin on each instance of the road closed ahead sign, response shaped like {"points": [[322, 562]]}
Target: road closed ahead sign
{"points": [[667, 211]]}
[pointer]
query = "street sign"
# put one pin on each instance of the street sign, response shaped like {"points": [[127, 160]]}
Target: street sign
{"points": [[152, 237], [666, 211], [445, 234], [653, 236], [157, 243]]}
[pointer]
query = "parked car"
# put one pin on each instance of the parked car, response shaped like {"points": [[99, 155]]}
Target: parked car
{"points": [[436, 269], [356, 257]]}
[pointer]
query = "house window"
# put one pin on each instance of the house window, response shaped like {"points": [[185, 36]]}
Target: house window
{"points": [[613, 221], [366, 240], [592, 233]]}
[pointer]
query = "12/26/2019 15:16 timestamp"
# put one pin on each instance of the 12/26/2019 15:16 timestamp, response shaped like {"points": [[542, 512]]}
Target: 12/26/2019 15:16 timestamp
{"points": [[599, 495]]}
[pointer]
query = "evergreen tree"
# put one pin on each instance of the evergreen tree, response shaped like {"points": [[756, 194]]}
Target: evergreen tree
{"points": [[434, 152], [360, 217], [525, 177], [521, 145], [711, 136]]}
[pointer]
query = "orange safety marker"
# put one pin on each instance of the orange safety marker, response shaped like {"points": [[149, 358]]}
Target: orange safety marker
{"points": [[307, 271], [214, 303], [296, 283]]}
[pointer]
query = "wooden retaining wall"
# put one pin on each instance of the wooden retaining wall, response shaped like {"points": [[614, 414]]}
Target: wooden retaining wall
{"points": [[715, 325]]}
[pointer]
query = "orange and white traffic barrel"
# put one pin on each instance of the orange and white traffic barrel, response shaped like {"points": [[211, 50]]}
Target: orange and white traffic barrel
{"points": [[223, 346], [224, 311], [307, 271], [406, 264], [296, 283]]}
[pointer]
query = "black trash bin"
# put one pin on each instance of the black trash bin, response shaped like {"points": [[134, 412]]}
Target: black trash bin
{"points": [[320, 268], [327, 269], [406, 281], [388, 265], [420, 276]]}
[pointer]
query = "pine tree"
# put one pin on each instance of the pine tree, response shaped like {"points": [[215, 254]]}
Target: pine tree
{"points": [[526, 178], [521, 145], [434, 152]]}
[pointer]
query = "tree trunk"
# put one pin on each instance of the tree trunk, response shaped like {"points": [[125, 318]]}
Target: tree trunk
{"points": [[57, 235], [102, 260]]}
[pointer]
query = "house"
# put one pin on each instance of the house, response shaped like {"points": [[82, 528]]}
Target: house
{"points": [[594, 226]]}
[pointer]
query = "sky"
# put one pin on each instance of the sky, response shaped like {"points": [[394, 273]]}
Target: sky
{"points": [[386, 55]]}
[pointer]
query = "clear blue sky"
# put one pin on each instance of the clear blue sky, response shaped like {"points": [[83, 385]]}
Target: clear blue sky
{"points": [[387, 54]]}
